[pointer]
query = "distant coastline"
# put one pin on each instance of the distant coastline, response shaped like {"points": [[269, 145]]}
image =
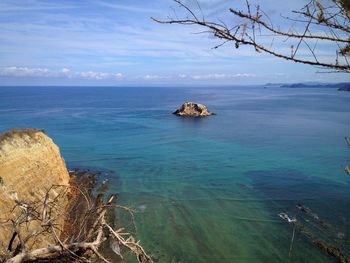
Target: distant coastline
{"points": [[344, 86]]}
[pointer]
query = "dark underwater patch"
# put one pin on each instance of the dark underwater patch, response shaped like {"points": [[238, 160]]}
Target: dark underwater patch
{"points": [[292, 186]]}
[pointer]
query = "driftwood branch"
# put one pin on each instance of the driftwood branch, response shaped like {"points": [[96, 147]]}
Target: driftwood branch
{"points": [[49, 252], [130, 243]]}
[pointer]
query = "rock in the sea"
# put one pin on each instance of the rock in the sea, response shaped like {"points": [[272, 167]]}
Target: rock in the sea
{"points": [[191, 109]]}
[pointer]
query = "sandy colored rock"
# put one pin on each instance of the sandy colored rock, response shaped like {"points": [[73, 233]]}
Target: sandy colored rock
{"points": [[30, 163], [192, 109]]}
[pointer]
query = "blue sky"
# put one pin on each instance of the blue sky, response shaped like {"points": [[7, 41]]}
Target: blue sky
{"points": [[116, 43]]}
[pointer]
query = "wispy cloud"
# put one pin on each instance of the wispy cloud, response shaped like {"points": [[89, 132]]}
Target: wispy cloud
{"points": [[32, 5], [116, 40], [128, 7]]}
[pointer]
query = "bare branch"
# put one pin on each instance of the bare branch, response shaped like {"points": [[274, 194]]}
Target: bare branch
{"points": [[131, 244], [287, 34], [335, 17], [88, 216]]}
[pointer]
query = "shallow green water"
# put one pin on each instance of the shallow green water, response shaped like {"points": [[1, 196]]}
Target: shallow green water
{"points": [[207, 190]]}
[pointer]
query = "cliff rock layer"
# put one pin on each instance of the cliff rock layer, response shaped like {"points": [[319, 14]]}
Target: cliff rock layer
{"points": [[30, 163], [191, 109]]}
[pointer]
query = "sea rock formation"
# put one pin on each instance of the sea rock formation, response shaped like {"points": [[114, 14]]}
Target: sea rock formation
{"points": [[30, 163], [191, 109]]}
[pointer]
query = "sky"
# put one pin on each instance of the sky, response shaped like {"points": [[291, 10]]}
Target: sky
{"points": [[105, 42]]}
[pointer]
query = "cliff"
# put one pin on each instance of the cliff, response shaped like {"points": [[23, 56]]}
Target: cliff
{"points": [[30, 163], [46, 216]]}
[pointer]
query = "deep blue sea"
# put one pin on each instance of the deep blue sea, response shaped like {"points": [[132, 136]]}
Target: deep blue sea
{"points": [[207, 189]]}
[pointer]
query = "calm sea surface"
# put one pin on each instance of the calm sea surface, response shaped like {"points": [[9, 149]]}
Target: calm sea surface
{"points": [[207, 190]]}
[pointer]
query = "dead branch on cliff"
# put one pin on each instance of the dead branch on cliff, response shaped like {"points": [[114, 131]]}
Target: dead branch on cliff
{"points": [[86, 227], [314, 24]]}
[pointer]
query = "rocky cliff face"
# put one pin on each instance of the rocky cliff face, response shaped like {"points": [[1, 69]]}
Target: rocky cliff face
{"points": [[191, 109], [30, 163]]}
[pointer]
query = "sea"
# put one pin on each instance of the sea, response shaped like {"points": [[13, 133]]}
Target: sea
{"points": [[208, 189]]}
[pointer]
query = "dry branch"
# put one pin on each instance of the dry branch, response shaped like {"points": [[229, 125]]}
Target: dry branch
{"points": [[314, 18], [84, 231], [130, 243]]}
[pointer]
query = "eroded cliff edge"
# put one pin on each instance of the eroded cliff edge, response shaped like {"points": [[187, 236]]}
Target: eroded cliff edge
{"points": [[30, 163]]}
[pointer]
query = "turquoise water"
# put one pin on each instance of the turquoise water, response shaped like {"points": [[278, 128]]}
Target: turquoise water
{"points": [[207, 190]]}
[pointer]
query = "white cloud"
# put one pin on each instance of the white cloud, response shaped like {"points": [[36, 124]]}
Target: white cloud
{"points": [[93, 75], [213, 76], [20, 72], [99, 75], [154, 77], [64, 72], [217, 76], [24, 72]]}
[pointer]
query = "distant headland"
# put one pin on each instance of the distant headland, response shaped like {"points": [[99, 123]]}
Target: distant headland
{"points": [[340, 86]]}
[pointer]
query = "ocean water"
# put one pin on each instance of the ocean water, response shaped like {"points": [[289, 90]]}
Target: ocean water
{"points": [[208, 189]]}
